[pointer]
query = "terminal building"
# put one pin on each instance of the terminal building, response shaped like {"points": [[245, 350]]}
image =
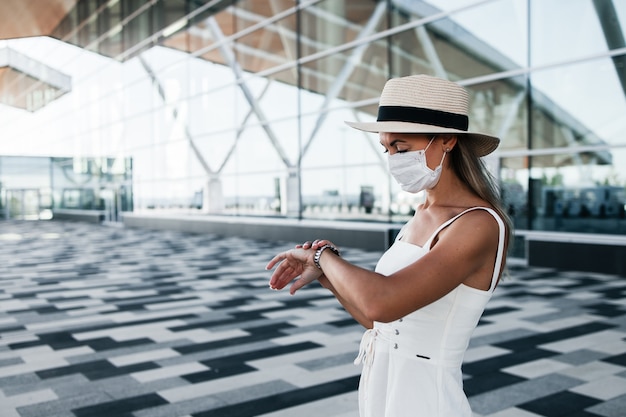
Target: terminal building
{"points": [[225, 116]]}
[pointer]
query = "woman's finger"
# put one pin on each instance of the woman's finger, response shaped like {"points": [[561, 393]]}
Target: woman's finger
{"points": [[297, 285], [284, 273], [275, 260], [278, 282], [318, 243]]}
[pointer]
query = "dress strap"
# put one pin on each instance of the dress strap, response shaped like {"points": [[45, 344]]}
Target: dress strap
{"points": [[501, 237], [401, 232]]}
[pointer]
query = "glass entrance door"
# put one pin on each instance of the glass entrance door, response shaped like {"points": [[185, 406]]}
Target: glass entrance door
{"points": [[23, 204], [109, 199]]}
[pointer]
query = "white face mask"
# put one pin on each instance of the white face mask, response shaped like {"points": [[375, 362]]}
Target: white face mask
{"points": [[411, 171]]}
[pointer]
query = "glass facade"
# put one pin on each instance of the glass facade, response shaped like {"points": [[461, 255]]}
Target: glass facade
{"points": [[238, 107], [33, 187]]}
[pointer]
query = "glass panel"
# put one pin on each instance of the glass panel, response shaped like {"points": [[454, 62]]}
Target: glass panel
{"points": [[269, 46], [111, 17], [253, 11], [167, 194], [555, 29], [465, 44], [88, 30], [499, 108], [345, 193], [267, 112], [580, 192], [514, 189], [351, 75], [145, 192], [435, 6], [263, 49], [27, 204], [360, 79], [498, 31], [78, 183], [343, 171], [580, 104], [25, 172], [260, 193], [330, 23]]}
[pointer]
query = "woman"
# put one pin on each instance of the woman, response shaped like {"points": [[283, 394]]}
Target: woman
{"points": [[428, 291]]}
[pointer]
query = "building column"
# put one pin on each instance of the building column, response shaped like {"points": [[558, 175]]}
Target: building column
{"points": [[213, 196], [290, 194]]}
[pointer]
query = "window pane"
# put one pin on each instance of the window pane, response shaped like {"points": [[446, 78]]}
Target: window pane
{"points": [[499, 108], [343, 170], [580, 104], [561, 33], [464, 44], [580, 192], [514, 189]]}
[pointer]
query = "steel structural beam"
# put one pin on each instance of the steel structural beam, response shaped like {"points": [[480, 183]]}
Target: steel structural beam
{"points": [[609, 21], [188, 135], [231, 60], [345, 72]]}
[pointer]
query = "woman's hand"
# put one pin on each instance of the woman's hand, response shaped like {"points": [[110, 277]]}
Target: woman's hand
{"points": [[296, 262], [316, 244], [293, 263]]}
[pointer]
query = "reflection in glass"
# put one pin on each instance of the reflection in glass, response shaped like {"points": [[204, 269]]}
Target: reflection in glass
{"points": [[577, 192], [555, 29], [346, 193], [514, 189], [578, 105], [32, 187], [500, 108], [350, 75], [464, 44]]}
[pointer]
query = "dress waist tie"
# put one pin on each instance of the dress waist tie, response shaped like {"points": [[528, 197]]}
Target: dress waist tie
{"points": [[366, 355]]}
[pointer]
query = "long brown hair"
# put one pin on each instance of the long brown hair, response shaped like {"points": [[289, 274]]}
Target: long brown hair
{"points": [[472, 171]]}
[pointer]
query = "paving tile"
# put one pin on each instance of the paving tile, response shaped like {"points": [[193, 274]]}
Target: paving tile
{"points": [[101, 321], [611, 408], [604, 388], [511, 412], [534, 369], [592, 371], [521, 392], [564, 403]]}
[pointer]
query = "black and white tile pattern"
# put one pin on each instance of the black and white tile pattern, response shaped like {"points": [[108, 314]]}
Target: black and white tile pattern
{"points": [[102, 321]]}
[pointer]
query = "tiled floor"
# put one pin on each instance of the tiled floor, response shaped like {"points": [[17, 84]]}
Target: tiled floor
{"points": [[104, 321]]}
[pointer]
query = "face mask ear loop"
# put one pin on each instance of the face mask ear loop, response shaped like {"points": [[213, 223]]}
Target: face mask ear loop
{"points": [[428, 146], [442, 158]]}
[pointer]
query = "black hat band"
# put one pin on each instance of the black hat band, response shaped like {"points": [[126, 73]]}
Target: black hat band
{"points": [[423, 116]]}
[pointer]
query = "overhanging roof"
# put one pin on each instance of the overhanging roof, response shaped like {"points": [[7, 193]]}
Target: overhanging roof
{"points": [[28, 84]]}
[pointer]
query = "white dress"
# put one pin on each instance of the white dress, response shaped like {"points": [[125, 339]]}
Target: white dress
{"points": [[412, 366]]}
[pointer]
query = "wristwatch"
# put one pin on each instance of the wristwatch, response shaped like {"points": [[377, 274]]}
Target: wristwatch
{"points": [[318, 253]]}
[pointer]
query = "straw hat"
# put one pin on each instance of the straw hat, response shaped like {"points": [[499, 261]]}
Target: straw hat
{"points": [[426, 104]]}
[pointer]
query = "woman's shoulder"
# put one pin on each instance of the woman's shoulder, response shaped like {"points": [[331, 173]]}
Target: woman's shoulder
{"points": [[481, 212], [480, 223]]}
